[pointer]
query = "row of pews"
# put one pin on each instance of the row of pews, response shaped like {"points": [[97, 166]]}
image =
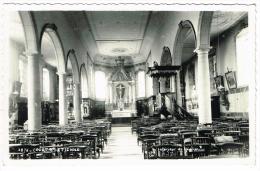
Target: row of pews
{"points": [[188, 140], [73, 141]]}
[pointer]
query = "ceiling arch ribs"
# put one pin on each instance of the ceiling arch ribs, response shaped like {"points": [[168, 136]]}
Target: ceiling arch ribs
{"points": [[51, 30]]}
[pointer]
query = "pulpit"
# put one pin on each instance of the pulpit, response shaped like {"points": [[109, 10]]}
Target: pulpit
{"points": [[165, 97]]}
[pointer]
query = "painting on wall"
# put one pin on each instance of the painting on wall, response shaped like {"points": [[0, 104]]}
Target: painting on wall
{"points": [[231, 80], [212, 73], [219, 82]]}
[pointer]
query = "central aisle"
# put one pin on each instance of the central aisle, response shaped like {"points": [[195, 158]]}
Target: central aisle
{"points": [[122, 144]]}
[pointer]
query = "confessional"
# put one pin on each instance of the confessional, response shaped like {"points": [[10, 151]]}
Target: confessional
{"points": [[215, 107]]}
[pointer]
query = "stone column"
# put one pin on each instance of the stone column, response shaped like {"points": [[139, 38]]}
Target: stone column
{"points": [[204, 100], [134, 92], [41, 63], [107, 94], [63, 115], [178, 89], [130, 93], [52, 85], [34, 93], [133, 96], [76, 101], [110, 94]]}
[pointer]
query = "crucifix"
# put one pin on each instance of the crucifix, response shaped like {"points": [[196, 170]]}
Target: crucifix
{"points": [[120, 93], [120, 89]]}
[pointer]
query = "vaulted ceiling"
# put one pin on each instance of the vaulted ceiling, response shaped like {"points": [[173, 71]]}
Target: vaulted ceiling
{"points": [[118, 33], [123, 33], [48, 50], [109, 34], [222, 20]]}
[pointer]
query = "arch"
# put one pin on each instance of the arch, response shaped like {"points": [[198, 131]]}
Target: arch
{"points": [[51, 30], [166, 57], [83, 68], [75, 67], [204, 27], [31, 38], [84, 75], [185, 27]]}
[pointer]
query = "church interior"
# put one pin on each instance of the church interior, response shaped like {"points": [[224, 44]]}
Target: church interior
{"points": [[164, 84]]}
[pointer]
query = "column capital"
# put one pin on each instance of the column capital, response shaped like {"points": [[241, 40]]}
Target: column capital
{"points": [[61, 73], [202, 49], [35, 54]]}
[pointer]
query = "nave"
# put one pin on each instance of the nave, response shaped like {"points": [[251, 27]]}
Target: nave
{"points": [[144, 139], [176, 78], [122, 144]]}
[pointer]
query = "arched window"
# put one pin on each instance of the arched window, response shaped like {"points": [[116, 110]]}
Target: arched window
{"points": [[23, 75], [46, 84], [141, 84], [100, 85], [242, 56], [84, 87]]}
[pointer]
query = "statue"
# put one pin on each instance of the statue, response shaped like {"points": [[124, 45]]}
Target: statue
{"points": [[155, 63]]}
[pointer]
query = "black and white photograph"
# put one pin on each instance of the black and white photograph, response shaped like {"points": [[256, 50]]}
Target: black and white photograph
{"points": [[93, 84]]}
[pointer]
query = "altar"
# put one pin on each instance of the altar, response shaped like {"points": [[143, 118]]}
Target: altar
{"points": [[121, 85], [122, 114]]}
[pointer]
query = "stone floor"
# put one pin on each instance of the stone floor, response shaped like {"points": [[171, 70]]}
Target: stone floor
{"points": [[122, 144]]}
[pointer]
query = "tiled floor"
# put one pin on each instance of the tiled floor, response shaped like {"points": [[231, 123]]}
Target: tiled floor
{"points": [[122, 144]]}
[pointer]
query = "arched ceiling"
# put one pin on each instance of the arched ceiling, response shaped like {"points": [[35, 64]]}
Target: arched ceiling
{"points": [[122, 33], [110, 34], [69, 66], [188, 47], [222, 20], [48, 50], [119, 33]]}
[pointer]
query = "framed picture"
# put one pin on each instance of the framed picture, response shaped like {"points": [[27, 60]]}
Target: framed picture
{"points": [[231, 80], [219, 81]]}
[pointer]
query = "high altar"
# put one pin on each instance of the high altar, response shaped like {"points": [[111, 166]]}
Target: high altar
{"points": [[121, 92]]}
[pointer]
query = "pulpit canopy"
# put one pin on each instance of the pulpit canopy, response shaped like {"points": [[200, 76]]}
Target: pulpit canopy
{"points": [[163, 71]]}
